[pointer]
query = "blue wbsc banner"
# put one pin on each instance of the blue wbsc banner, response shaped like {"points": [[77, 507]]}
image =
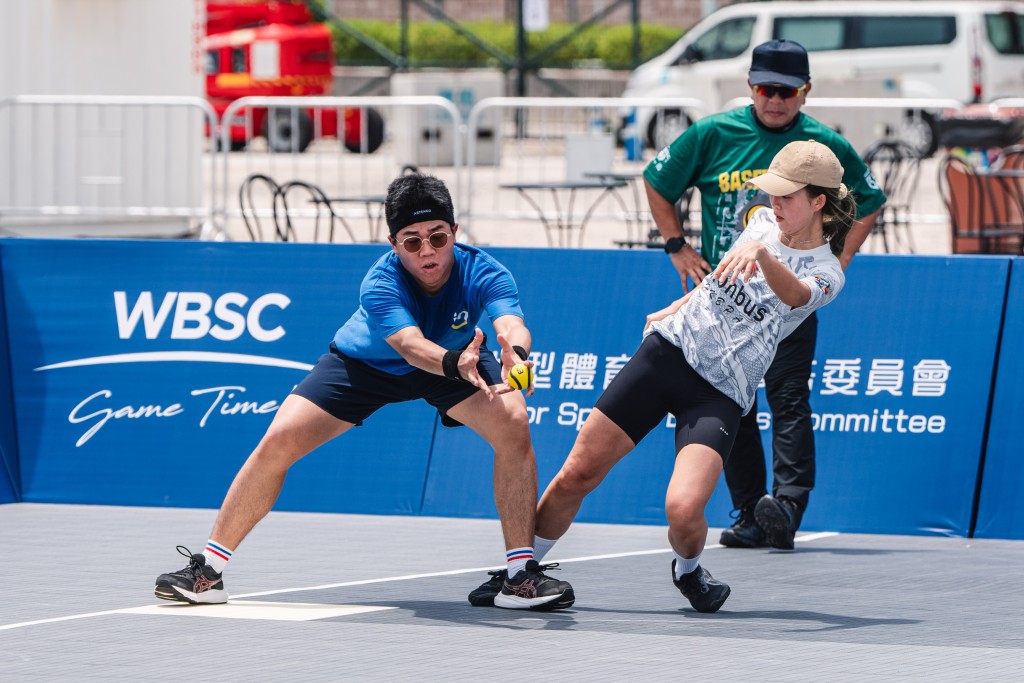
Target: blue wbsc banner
{"points": [[1001, 506], [899, 390], [903, 370], [144, 373], [9, 475]]}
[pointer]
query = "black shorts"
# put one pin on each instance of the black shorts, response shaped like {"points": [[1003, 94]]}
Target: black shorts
{"points": [[658, 380], [351, 390]]}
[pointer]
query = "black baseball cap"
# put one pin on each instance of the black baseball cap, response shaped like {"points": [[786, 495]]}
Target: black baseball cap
{"points": [[780, 61]]}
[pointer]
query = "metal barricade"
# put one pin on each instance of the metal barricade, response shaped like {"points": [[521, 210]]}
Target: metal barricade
{"points": [[341, 151], [564, 163], [105, 166]]}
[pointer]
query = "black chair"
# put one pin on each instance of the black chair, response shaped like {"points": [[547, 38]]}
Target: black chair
{"points": [[896, 165], [247, 202], [313, 205]]}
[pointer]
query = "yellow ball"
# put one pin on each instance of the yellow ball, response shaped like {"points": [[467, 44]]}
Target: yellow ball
{"points": [[520, 376]]}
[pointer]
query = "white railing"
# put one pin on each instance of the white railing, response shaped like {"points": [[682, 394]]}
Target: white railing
{"points": [[70, 160], [552, 139], [113, 164]]}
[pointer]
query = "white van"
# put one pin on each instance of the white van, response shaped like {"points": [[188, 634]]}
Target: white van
{"points": [[967, 51]]}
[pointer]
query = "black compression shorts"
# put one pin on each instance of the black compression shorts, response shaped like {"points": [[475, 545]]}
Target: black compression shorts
{"points": [[658, 380]]}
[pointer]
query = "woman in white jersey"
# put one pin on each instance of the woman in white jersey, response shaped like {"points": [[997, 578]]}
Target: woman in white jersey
{"points": [[702, 358]]}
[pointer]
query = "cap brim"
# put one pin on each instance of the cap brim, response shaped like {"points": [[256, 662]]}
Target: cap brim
{"points": [[776, 185], [773, 78]]}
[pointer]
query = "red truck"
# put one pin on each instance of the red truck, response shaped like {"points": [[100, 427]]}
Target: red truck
{"points": [[275, 49]]}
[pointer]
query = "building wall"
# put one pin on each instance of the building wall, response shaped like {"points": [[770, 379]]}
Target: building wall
{"points": [[101, 47]]}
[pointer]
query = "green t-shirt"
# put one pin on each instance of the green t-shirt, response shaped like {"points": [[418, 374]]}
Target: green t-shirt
{"points": [[719, 153]]}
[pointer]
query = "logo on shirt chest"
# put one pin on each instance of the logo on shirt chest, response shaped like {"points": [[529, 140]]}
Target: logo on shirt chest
{"points": [[460, 320]]}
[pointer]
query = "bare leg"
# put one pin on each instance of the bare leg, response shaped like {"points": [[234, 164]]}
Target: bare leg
{"points": [[693, 481], [298, 428], [600, 444], [503, 423]]}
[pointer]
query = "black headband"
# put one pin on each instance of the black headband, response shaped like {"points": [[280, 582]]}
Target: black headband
{"points": [[419, 213]]}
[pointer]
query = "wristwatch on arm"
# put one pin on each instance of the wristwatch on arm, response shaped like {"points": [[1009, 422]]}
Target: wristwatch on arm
{"points": [[674, 244]]}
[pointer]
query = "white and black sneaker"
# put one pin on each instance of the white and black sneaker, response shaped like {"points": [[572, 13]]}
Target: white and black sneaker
{"points": [[488, 590], [531, 589], [196, 584]]}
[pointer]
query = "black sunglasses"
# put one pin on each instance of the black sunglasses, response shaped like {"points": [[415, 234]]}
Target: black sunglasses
{"points": [[784, 91], [414, 244]]}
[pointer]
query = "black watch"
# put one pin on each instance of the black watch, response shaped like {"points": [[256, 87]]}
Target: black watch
{"points": [[674, 244]]}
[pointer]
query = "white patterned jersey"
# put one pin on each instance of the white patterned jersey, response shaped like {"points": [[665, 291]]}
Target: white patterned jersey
{"points": [[730, 333]]}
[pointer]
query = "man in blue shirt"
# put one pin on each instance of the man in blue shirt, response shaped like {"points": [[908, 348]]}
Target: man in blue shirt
{"points": [[413, 336]]}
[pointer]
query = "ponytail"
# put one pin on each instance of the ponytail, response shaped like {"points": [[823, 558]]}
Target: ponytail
{"points": [[837, 216]]}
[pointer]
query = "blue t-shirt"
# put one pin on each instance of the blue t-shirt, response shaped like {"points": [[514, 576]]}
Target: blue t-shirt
{"points": [[390, 300]]}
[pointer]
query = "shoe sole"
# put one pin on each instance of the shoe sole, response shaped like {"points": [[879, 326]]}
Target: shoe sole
{"points": [[212, 597], [717, 604], [775, 525], [562, 601]]}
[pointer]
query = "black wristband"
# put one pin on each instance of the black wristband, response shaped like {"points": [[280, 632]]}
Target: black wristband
{"points": [[450, 365], [521, 352]]}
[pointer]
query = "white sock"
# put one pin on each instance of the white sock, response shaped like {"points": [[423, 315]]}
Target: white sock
{"points": [[541, 547], [216, 555], [685, 566]]}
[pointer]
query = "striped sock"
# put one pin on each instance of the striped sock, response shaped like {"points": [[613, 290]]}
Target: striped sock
{"points": [[216, 555], [517, 559]]}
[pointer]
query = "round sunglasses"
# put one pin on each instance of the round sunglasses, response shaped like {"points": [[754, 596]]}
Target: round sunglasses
{"points": [[413, 244]]}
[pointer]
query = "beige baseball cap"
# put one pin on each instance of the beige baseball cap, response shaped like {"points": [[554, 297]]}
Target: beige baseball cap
{"points": [[799, 164]]}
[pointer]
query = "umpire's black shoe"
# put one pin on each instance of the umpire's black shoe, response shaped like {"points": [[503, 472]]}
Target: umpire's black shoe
{"points": [[197, 583], [485, 594], [744, 532], [705, 592], [777, 516], [532, 589]]}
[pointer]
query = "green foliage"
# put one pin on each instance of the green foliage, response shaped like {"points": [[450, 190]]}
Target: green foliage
{"points": [[433, 43]]}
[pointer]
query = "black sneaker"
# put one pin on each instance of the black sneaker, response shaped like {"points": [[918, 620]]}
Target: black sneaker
{"points": [[705, 592], [485, 594], [532, 589], [777, 516], [744, 532], [197, 583]]}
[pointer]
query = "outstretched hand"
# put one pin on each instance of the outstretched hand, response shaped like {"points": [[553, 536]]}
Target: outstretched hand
{"points": [[468, 361], [510, 358]]}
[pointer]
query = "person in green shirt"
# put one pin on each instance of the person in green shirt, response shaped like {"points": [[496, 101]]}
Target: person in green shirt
{"points": [[717, 155]]}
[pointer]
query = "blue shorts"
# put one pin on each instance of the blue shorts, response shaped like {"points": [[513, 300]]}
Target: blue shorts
{"points": [[658, 380], [351, 390]]}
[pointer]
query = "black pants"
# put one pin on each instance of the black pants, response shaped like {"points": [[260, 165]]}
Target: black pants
{"points": [[786, 386]]}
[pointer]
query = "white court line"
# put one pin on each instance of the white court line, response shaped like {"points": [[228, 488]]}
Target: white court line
{"points": [[409, 577]]}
